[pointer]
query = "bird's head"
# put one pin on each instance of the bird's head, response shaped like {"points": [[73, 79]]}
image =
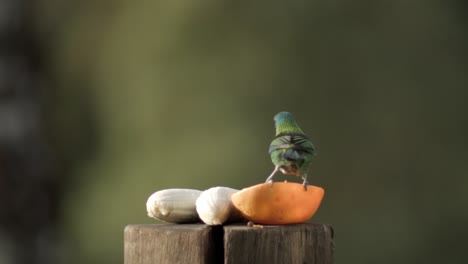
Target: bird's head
{"points": [[285, 123], [283, 116]]}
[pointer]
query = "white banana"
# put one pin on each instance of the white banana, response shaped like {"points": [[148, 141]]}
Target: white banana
{"points": [[174, 205], [214, 206]]}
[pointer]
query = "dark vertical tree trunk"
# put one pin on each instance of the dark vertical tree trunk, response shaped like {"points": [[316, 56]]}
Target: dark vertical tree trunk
{"points": [[29, 186]]}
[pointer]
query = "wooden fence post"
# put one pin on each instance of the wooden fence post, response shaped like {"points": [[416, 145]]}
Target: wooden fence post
{"points": [[171, 244], [302, 243], [230, 244]]}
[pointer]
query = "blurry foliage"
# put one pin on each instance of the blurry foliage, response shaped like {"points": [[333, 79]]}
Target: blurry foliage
{"points": [[160, 94]]}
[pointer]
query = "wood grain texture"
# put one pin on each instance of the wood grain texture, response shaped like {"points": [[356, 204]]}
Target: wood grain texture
{"points": [[301, 243], [169, 244], [231, 244]]}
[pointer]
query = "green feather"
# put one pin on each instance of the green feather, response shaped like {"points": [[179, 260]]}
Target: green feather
{"points": [[291, 151]]}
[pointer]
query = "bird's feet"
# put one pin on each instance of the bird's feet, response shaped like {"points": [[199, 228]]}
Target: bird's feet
{"points": [[270, 178], [305, 183]]}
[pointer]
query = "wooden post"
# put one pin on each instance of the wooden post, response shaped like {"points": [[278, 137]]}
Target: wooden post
{"points": [[302, 243], [170, 244], [197, 243]]}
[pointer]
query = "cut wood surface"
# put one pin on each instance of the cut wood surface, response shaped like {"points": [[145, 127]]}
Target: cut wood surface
{"points": [[198, 243]]}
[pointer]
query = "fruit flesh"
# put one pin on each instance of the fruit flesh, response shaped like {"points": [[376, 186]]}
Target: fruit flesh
{"points": [[278, 203]]}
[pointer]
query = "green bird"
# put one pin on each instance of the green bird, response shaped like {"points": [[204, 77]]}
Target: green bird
{"points": [[291, 151]]}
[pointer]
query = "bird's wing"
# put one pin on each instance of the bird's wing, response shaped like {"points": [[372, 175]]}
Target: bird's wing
{"points": [[302, 143], [294, 141]]}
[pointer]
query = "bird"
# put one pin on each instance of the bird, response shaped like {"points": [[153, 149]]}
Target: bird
{"points": [[291, 151]]}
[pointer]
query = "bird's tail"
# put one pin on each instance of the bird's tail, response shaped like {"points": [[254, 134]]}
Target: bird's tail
{"points": [[292, 155]]}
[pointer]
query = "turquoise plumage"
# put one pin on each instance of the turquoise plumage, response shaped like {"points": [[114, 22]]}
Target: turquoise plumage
{"points": [[291, 151]]}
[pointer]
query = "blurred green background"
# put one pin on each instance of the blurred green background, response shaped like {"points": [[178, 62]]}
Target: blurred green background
{"points": [[149, 95]]}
